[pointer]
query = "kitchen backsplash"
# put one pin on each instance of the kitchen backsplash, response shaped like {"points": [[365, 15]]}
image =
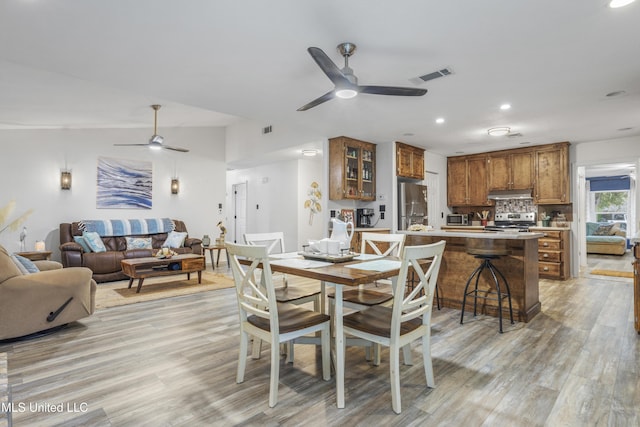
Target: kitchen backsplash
{"points": [[515, 206]]}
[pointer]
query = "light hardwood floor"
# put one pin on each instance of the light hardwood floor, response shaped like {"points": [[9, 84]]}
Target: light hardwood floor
{"points": [[173, 362]]}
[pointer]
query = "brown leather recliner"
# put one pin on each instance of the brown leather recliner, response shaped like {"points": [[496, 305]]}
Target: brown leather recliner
{"points": [[106, 265], [36, 302]]}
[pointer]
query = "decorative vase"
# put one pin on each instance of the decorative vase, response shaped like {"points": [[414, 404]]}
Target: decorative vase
{"points": [[206, 241]]}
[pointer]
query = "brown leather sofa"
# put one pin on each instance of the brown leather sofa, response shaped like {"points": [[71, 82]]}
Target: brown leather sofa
{"points": [[106, 265], [39, 301]]}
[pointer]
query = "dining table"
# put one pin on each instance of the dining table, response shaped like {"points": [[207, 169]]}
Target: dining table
{"points": [[362, 269]]}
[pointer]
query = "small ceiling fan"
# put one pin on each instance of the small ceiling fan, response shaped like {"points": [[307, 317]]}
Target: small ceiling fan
{"points": [[155, 142], [346, 83]]}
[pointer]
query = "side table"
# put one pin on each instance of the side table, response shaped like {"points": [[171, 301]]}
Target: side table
{"points": [[217, 247], [35, 255]]}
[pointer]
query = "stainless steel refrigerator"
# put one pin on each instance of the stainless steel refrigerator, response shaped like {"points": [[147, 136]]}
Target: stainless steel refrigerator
{"points": [[412, 205]]}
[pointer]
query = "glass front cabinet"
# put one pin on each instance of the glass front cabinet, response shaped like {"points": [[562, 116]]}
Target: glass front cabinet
{"points": [[352, 173]]}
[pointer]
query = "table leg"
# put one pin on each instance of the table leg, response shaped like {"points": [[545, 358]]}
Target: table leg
{"points": [[188, 276], [339, 347], [199, 276], [130, 282], [218, 259], [139, 284], [213, 265]]}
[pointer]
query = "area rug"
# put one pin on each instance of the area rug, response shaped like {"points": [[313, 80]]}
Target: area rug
{"points": [[113, 294], [614, 273]]}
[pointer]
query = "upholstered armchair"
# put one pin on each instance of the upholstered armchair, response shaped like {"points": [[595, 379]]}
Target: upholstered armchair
{"points": [[42, 300]]}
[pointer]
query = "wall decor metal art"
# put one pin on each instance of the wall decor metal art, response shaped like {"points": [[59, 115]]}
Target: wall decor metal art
{"points": [[124, 184]]}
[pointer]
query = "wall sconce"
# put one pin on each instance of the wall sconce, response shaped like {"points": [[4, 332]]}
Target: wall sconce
{"points": [[175, 186], [65, 180]]}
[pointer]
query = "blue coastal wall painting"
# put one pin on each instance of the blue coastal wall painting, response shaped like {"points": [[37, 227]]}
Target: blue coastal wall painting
{"points": [[124, 184]]}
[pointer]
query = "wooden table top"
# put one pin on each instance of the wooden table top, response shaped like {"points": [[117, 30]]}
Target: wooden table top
{"points": [[336, 272]]}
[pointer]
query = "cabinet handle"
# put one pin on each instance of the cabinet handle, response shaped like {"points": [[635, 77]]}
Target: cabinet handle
{"points": [[545, 234], [545, 244], [545, 256], [545, 269]]}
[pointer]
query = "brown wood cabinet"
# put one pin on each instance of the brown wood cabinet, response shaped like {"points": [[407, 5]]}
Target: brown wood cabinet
{"points": [[409, 161], [553, 253], [352, 169], [544, 168], [467, 183], [552, 174], [511, 170]]}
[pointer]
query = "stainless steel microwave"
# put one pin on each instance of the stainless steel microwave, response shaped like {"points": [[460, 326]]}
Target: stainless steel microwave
{"points": [[457, 219]]}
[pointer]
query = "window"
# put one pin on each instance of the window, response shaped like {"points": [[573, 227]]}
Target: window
{"points": [[611, 206]]}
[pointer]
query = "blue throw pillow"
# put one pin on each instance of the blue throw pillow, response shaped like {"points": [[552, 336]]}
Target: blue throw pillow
{"points": [[25, 264], [80, 240], [94, 241], [175, 239], [138, 243]]}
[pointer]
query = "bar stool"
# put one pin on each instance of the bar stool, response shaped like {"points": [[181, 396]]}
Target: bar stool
{"points": [[487, 250]]}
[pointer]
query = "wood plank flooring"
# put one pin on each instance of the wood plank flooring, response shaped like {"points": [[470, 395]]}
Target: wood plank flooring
{"points": [[173, 363]]}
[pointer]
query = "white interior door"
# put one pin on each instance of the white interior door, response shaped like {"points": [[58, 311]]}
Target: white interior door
{"points": [[239, 211]]}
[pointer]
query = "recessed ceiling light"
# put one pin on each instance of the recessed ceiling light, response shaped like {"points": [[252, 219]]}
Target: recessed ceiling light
{"points": [[459, 152], [616, 93], [619, 3], [408, 134], [525, 143], [309, 153], [505, 106], [440, 120], [499, 131]]}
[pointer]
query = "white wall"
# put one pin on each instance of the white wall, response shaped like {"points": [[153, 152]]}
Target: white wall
{"points": [[31, 162], [273, 195], [310, 170]]}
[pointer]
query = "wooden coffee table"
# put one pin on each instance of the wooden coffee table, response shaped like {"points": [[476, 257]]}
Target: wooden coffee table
{"points": [[141, 268]]}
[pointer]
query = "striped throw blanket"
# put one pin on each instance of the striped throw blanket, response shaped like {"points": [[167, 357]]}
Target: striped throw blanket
{"points": [[127, 227]]}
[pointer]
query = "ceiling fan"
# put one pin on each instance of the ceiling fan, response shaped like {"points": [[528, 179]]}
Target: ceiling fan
{"points": [[346, 83], [155, 142]]}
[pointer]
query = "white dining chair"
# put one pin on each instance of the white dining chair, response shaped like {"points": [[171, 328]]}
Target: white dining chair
{"points": [[274, 242], [263, 317], [408, 319], [363, 298]]}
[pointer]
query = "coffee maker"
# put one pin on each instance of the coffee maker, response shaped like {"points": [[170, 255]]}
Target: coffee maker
{"points": [[364, 217]]}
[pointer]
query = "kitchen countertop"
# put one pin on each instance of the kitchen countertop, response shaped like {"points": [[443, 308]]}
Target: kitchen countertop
{"points": [[477, 234]]}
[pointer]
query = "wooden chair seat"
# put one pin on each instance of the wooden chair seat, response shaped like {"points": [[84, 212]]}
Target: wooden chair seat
{"points": [[290, 318], [296, 294], [365, 297], [377, 321]]}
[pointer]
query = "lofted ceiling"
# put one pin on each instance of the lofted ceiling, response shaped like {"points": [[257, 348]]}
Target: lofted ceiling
{"points": [[100, 64]]}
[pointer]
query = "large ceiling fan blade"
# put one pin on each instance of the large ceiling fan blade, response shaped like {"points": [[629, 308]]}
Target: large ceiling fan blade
{"points": [[132, 145], [328, 67], [391, 90], [182, 150], [324, 98]]}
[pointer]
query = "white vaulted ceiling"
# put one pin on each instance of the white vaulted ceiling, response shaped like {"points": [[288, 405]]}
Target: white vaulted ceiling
{"points": [[99, 64]]}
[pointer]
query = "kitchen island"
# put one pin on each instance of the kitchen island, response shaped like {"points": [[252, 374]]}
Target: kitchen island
{"points": [[520, 268]]}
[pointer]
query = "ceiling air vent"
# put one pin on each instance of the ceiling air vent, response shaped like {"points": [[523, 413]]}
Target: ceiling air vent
{"points": [[514, 135], [435, 74], [267, 129]]}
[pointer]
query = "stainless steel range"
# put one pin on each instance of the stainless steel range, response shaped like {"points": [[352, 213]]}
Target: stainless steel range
{"points": [[513, 221]]}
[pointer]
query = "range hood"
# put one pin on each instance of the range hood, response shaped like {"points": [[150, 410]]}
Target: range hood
{"points": [[510, 194]]}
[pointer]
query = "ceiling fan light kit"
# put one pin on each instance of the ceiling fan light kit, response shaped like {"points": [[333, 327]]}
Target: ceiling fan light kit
{"points": [[156, 141], [499, 131], [345, 82]]}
